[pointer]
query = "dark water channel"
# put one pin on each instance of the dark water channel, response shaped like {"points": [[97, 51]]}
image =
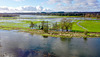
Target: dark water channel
{"points": [[20, 44]]}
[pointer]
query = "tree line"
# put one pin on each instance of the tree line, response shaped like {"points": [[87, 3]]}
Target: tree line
{"points": [[64, 25]]}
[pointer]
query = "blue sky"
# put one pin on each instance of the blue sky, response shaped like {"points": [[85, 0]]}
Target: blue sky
{"points": [[49, 5], [16, 3]]}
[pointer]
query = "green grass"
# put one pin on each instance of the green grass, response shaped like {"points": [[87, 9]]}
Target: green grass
{"points": [[69, 16], [14, 25], [8, 17], [76, 27], [27, 21], [91, 25], [22, 24], [17, 17], [61, 16]]}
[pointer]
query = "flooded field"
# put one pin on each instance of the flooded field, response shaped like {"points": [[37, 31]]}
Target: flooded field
{"points": [[20, 44], [43, 17], [24, 21], [49, 28]]}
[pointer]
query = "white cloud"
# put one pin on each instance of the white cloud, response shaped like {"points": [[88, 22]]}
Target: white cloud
{"points": [[60, 1], [53, 1], [4, 8], [28, 8], [39, 8], [24, 9], [76, 5], [47, 9]]}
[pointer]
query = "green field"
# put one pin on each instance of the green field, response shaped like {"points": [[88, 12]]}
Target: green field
{"points": [[15, 25], [91, 25]]}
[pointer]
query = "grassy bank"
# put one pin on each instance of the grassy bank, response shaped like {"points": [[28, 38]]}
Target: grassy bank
{"points": [[53, 33]]}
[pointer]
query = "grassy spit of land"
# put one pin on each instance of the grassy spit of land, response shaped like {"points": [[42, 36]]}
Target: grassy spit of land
{"points": [[93, 27], [53, 33]]}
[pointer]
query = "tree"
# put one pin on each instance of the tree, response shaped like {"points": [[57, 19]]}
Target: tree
{"points": [[42, 25], [31, 25], [66, 24], [55, 26], [45, 26]]}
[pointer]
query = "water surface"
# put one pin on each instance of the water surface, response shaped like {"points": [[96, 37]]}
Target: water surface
{"points": [[20, 44]]}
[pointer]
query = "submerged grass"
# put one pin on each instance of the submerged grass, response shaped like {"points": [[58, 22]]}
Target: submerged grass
{"points": [[14, 25]]}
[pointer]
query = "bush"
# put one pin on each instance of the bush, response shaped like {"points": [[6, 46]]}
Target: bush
{"points": [[86, 32], [45, 29]]}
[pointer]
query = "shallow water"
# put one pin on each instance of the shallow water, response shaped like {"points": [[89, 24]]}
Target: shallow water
{"points": [[20, 44], [36, 16], [41, 18], [53, 17]]}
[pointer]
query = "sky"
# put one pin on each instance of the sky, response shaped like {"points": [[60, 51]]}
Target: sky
{"points": [[49, 5]]}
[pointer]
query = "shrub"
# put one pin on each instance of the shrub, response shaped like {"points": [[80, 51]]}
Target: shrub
{"points": [[86, 32]]}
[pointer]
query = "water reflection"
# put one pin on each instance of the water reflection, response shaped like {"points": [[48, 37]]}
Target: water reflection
{"points": [[66, 39], [45, 36], [85, 39], [20, 44]]}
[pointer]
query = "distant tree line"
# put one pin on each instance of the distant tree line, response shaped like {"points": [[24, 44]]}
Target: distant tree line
{"points": [[82, 14], [8, 15], [92, 15]]}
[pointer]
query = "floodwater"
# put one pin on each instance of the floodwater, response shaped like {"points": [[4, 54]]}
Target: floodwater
{"points": [[54, 17], [21, 44], [42, 18]]}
